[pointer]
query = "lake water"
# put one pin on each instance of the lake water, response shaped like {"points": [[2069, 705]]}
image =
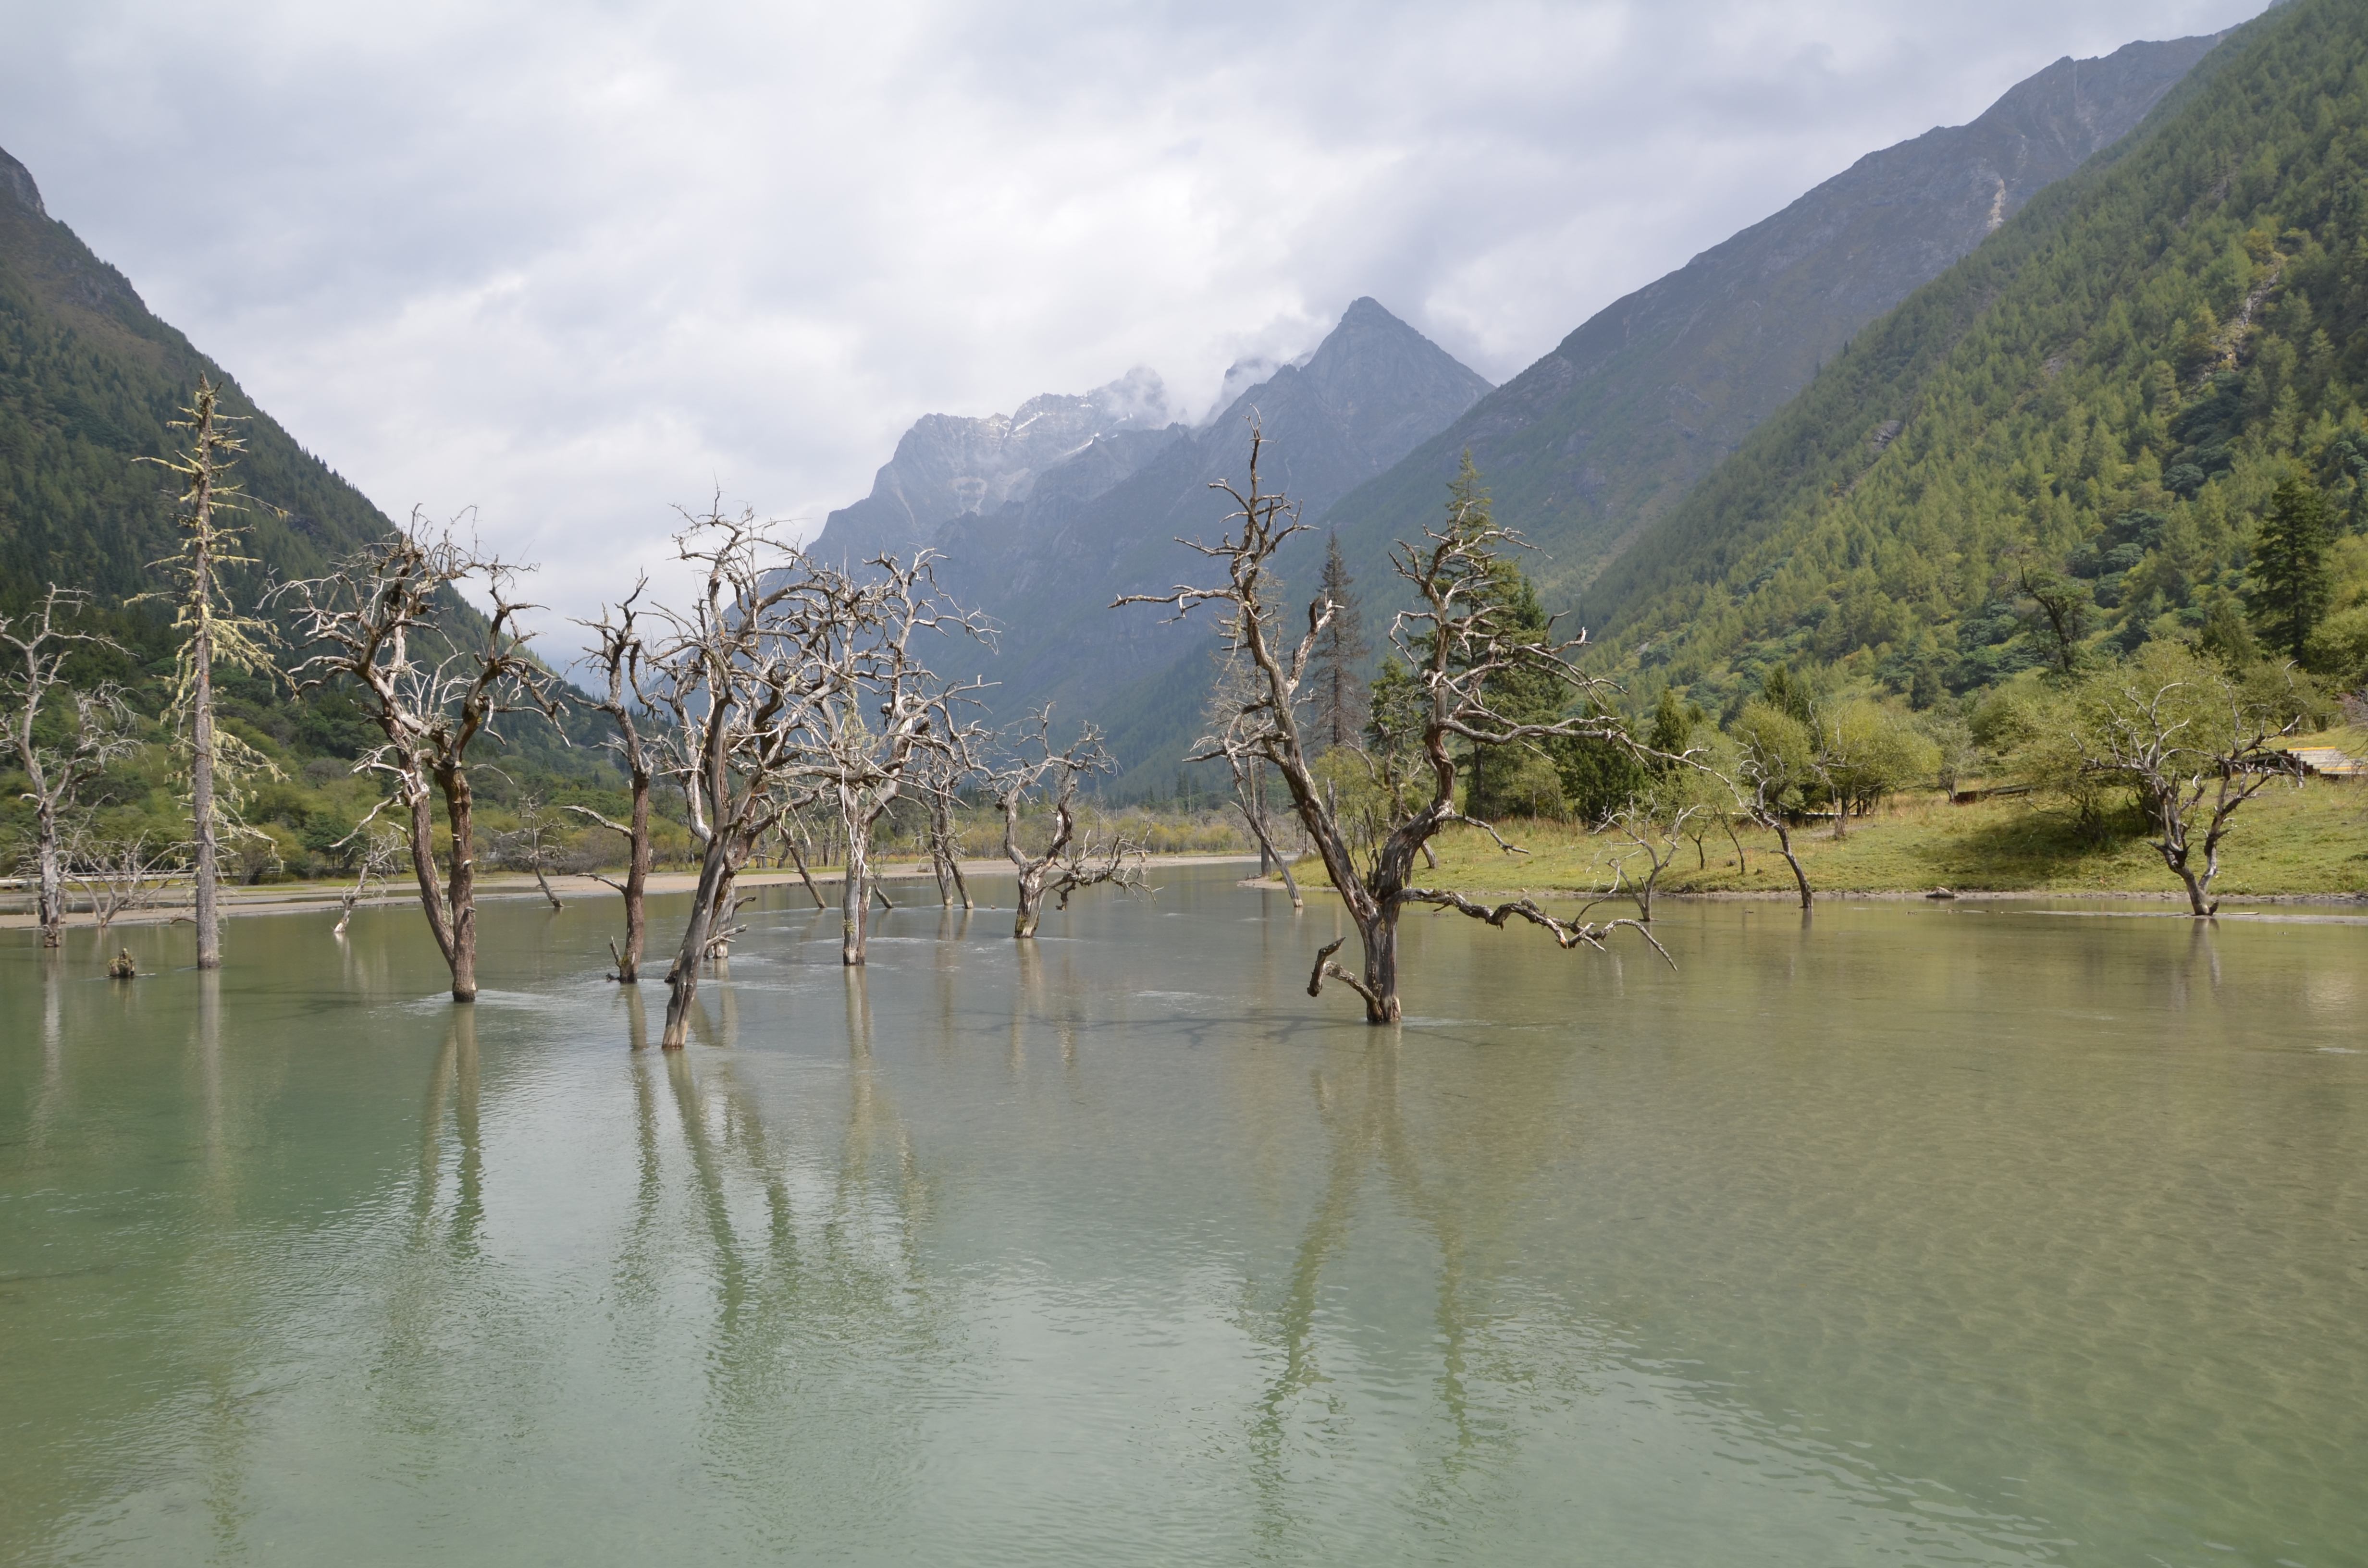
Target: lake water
{"points": [[1917, 1234]]}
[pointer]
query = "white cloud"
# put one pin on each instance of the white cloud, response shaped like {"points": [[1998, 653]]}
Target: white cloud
{"points": [[574, 263]]}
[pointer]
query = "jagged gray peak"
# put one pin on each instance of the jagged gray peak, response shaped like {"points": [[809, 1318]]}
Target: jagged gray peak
{"points": [[948, 466], [1106, 523], [1587, 445]]}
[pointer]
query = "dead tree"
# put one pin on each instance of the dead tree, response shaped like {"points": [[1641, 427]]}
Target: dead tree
{"points": [[619, 656], [1236, 693], [212, 632], [1760, 788], [735, 674], [57, 765], [940, 788], [878, 717], [122, 875], [1652, 832], [2195, 750], [529, 845], [1064, 865], [791, 833], [381, 855], [387, 622], [1453, 641]]}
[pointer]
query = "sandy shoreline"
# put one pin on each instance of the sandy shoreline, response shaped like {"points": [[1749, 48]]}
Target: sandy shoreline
{"points": [[302, 898], [314, 897]]}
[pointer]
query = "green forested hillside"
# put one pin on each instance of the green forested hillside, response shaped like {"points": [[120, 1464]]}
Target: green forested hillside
{"points": [[2088, 414], [89, 383], [1599, 437]]}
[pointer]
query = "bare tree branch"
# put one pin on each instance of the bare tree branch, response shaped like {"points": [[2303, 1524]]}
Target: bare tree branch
{"points": [[1064, 865], [619, 654], [37, 646]]}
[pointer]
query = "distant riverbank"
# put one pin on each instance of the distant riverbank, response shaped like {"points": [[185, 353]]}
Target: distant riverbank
{"points": [[298, 898]]}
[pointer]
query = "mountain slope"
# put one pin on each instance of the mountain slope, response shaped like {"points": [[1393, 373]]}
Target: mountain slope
{"points": [[1048, 561], [1586, 446], [89, 379], [946, 465], [2109, 389]]}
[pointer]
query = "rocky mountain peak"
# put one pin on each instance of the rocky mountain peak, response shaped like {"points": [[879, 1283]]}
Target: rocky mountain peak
{"points": [[948, 466], [16, 185]]}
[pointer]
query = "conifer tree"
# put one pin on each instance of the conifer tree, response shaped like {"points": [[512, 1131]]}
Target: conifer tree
{"points": [[1336, 673], [1519, 778], [1673, 724], [2291, 583], [212, 632]]}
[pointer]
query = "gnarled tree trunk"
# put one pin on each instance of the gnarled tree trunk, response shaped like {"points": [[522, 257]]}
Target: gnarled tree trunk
{"points": [[50, 906], [637, 887], [716, 875], [855, 893]]}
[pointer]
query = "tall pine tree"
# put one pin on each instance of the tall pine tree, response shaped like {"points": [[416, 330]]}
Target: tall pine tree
{"points": [[1524, 779], [1337, 678], [2291, 583]]}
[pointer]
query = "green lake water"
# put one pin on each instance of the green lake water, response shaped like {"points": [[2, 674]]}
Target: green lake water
{"points": [[1915, 1235]]}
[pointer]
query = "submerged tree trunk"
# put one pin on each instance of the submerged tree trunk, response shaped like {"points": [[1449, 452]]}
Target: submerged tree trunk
{"points": [[2199, 904], [1381, 939], [1249, 788], [422, 825], [682, 978], [1784, 848], [798, 859], [1032, 900], [2177, 858], [51, 897], [637, 886], [462, 900], [201, 784], [855, 895]]}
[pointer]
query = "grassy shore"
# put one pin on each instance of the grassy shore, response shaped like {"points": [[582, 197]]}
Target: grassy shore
{"points": [[2307, 840]]}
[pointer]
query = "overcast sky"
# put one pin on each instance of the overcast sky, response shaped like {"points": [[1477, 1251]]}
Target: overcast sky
{"points": [[573, 263]]}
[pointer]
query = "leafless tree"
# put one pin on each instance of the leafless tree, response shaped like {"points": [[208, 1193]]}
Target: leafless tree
{"points": [[737, 674], [119, 876], [434, 686], [381, 855], [876, 716], [2194, 747], [1236, 694], [530, 845], [1761, 786], [618, 655], [1064, 865], [940, 786], [57, 767], [1453, 641], [792, 834], [1652, 830]]}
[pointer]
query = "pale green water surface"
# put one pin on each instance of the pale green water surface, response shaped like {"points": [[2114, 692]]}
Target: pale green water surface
{"points": [[1918, 1235]]}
